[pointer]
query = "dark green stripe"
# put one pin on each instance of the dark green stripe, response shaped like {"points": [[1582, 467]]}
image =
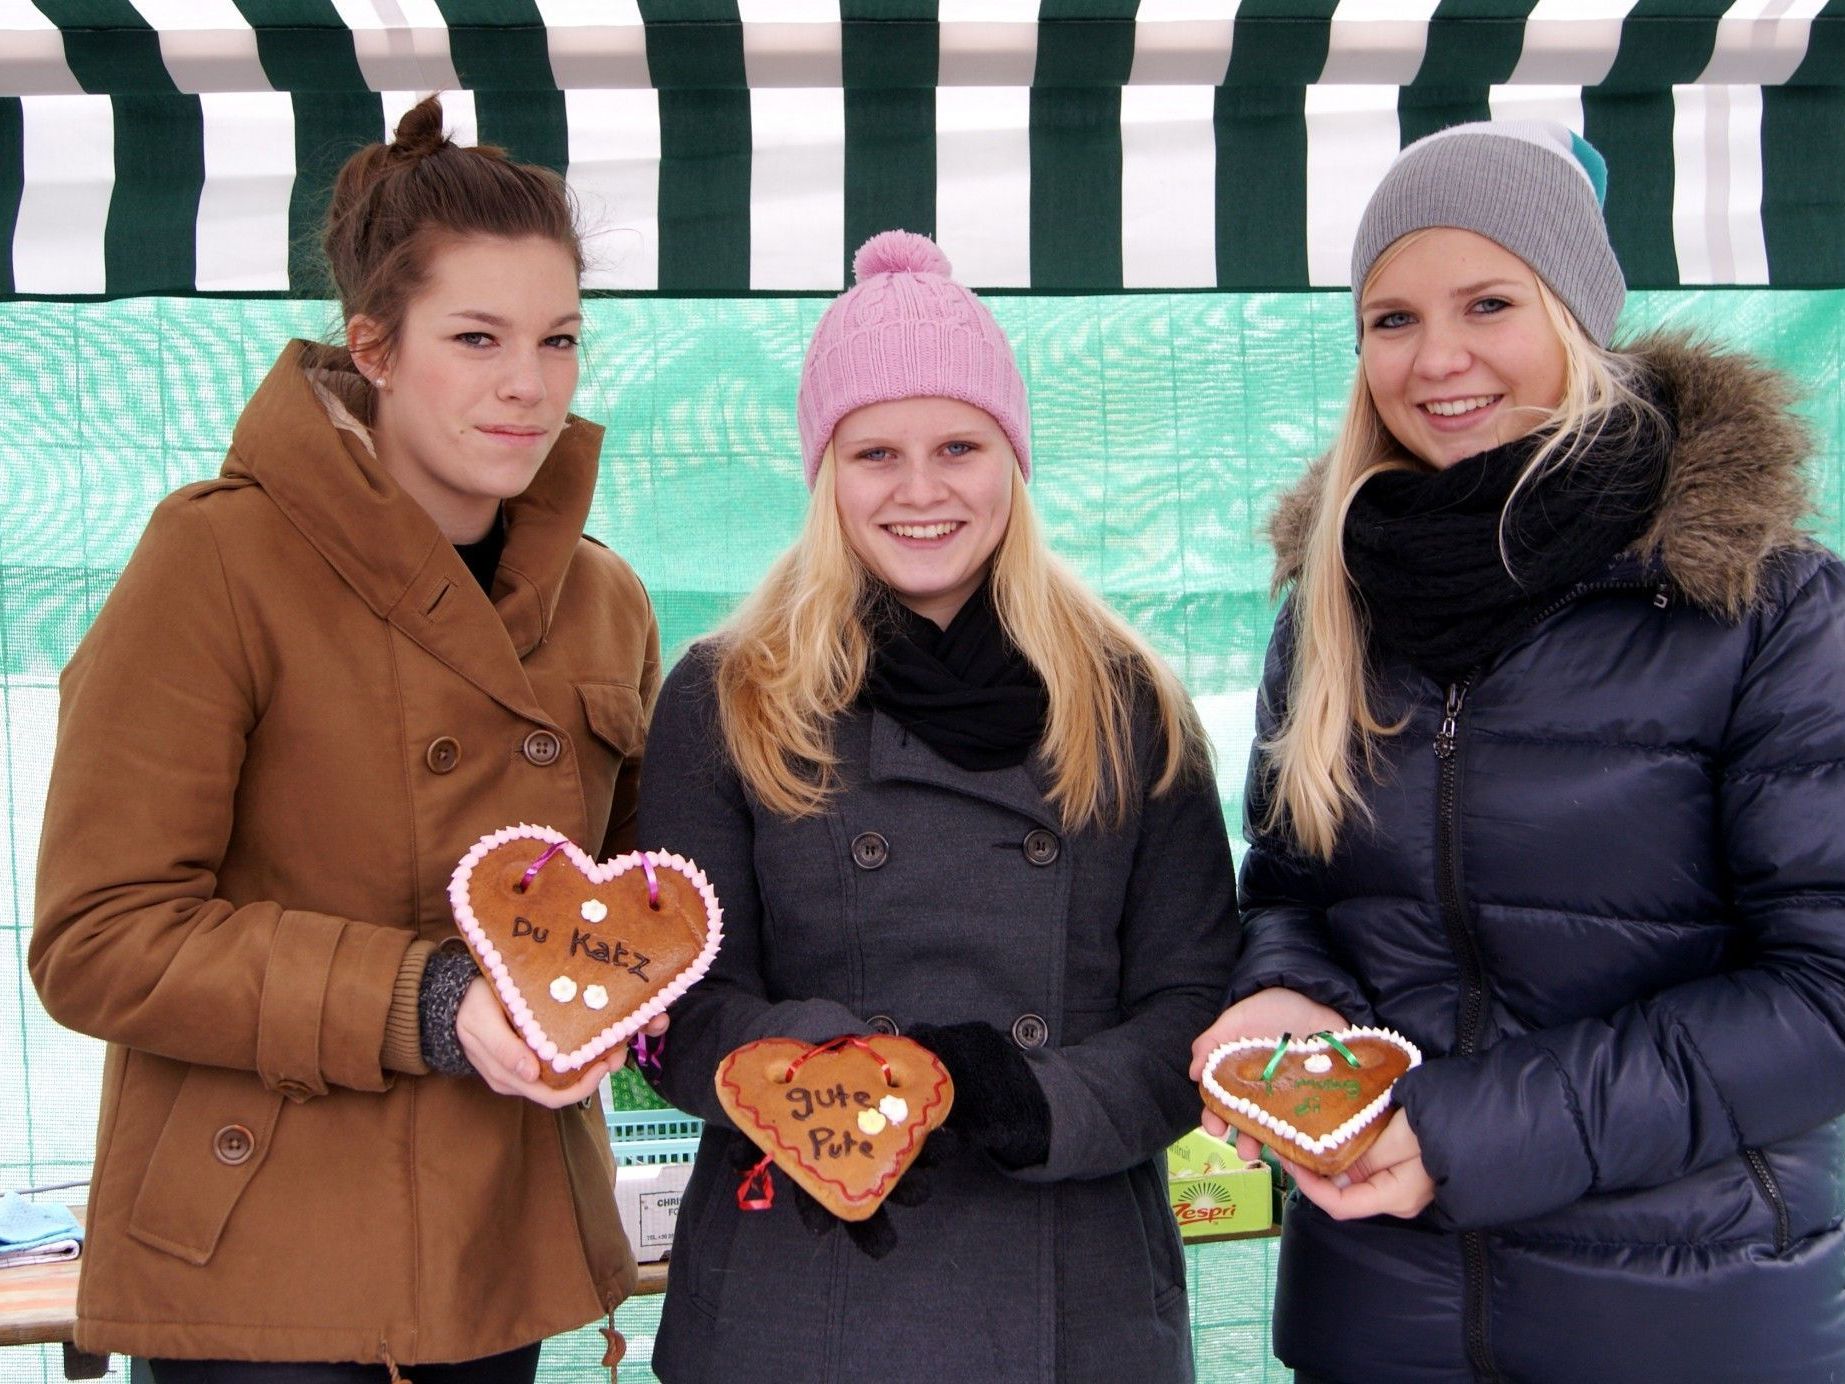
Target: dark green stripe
{"points": [[498, 45], [150, 244], [1280, 43], [889, 62], [1663, 42], [1472, 46], [1076, 187], [1633, 132], [329, 126], [877, 56], [705, 190], [12, 181], [109, 47], [303, 45], [1803, 150], [694, 43], [1261, 186], [530, 125], [1085, 43]]}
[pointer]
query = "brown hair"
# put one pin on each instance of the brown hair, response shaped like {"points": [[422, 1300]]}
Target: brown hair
{"points": [[394, 204]]}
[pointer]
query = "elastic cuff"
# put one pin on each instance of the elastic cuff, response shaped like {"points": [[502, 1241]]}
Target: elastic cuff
{"points": [[403, 1043]]}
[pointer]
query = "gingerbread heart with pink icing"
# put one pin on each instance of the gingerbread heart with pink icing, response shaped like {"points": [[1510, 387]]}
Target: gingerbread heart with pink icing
{"points": [[582, 954]]}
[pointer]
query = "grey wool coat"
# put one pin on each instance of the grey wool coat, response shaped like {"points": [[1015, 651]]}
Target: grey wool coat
{"points": [[932, 894]]}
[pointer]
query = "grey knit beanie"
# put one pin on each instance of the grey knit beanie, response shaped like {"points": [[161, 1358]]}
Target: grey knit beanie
{"points": [[1532, 186]]}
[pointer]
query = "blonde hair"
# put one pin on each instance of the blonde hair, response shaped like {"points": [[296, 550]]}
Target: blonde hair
{"points": [[1325, 748], [793, 657]]}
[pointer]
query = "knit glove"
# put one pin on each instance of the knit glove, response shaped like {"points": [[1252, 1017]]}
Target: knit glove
{"points": [[875, 1236], [445, 981], [999, 1106]]}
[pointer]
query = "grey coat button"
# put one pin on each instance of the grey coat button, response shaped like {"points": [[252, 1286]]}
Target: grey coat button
{"points": [[443, 754], [1030, 1031], [869, 850], [541, 747], [1041, 846], [233, 1145], [882, 1023]]}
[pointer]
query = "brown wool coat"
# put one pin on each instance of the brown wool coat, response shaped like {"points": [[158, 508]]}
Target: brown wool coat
{"points": [[292, 716]]}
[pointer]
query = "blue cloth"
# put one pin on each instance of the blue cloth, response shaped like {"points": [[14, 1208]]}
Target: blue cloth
{"points": [[26, 1225]]}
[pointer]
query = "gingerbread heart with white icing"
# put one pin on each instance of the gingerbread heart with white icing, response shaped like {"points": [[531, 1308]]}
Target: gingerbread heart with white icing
{"points": [[844, 1119], [581, 954], [1316, 1101]]}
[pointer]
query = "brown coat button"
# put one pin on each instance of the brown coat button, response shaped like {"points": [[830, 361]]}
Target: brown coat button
{"points": [[1041, 847], [882, 1023], [541, 747], [443, 754], [233, 1145], [1030, 1031], [869, 850]]}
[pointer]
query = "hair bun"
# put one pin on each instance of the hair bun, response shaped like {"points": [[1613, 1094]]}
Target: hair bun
{"points": [[419, 134], [899, 252]]}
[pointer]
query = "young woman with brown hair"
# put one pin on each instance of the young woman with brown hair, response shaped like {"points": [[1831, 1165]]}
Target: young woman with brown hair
{"points": [[379, 634]]}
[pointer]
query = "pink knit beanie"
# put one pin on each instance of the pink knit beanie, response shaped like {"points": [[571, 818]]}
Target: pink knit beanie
{"points": [[907, 330]]}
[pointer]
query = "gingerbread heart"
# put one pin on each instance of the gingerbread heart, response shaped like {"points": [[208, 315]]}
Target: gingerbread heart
{"points": [[1315, 1101], [581, 954], [844, 1119]]}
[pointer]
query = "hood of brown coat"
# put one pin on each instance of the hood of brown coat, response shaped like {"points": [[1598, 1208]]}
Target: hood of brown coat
{"points": [[1736, 488], [300, 439]]}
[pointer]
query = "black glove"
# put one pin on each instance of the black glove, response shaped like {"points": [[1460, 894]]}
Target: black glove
{"points": [[445, 980], [999, 1105], [875, 1236]]}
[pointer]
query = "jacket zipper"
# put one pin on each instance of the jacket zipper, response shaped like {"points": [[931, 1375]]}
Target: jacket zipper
{"points": [[1450, 889], [1771, 1193]]}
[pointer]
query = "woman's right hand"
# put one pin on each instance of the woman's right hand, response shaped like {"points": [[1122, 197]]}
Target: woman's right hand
{"points": [[1265, 1014], [503, 1060]]}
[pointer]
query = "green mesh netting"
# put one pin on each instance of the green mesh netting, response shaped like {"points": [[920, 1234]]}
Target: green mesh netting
{"points": [[1164, 425]]}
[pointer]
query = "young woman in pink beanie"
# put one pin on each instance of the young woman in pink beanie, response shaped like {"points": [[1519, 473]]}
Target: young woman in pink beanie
{"points": [[942, 791]]}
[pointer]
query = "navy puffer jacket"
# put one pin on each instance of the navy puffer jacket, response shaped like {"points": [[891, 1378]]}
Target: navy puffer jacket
{"points": [[1607, 899]]}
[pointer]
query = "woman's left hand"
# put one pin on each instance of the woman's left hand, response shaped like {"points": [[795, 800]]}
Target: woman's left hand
{"points": [[1387, 1180]]}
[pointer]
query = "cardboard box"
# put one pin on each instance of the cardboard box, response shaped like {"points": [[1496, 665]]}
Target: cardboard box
{"points": [[648, 1197], [1214, 1193]]}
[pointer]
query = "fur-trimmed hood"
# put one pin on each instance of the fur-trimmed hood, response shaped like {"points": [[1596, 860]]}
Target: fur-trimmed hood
{"points": [[1735, 491]]}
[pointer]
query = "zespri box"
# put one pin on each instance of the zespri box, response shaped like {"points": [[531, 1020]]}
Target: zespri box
{"points": [[1214, 1193]]}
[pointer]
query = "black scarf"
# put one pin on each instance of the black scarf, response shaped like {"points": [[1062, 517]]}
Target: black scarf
{"points": [[1423, 546], [965, 691], [483, 555]]}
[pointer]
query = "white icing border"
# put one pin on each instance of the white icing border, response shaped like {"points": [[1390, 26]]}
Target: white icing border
{"points": [[494, 966], [1324, 1143]]}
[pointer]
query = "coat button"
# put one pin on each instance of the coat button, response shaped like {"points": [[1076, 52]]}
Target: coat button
{"points": [[1029, 1031], [541, 747], [1041, 846], [233, 1145], [443, 754], [296, 1091], [869, 850], [882, 1023]]}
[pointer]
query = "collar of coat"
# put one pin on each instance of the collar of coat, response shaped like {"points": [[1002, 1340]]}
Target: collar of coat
{"points": [[299, 438], [1735, 490]]}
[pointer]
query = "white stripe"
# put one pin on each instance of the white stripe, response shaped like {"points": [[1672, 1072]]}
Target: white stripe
{"points": [[797, 187], [458, 118], [1351, 140], [596, 43], [207, 45], [1761, 42], [1186, 42], [1570, 42], [1717, 184], [1375, 41], [400, 44], [615, 174], [68, 150], [983, 184], [791, 43], [986, 43], [1168, 187], [249, 174], [1562, 104], [32, 53]]}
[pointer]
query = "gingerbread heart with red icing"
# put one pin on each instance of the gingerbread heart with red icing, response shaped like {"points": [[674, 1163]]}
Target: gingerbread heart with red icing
{"points": [[1316, 1101], [844, 1119], [581, 954]]}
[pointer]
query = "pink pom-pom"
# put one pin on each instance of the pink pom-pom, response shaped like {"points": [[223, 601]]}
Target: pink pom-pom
{"points": [[899, 252]]}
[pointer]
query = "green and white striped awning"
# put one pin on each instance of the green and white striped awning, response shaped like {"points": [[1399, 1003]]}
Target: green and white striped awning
{"points": [[735, 146]]}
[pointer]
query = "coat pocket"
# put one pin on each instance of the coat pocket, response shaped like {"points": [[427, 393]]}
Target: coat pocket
{"points": [[216, 1136], [613, 711]]}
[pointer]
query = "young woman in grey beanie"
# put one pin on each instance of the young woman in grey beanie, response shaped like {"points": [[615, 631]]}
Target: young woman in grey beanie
{"points": [[1548, 774]]}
